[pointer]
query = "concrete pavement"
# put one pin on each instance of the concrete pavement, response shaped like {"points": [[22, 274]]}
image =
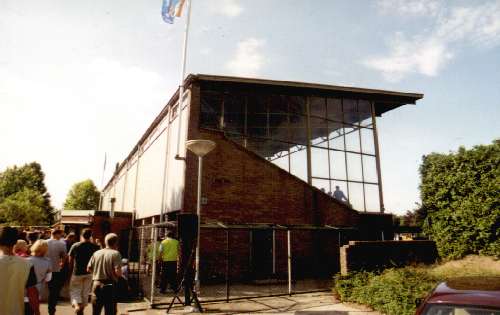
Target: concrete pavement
{"points": [[300, 304]]}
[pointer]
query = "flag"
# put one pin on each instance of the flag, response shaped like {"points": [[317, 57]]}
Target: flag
{"points": [[171, 9]]}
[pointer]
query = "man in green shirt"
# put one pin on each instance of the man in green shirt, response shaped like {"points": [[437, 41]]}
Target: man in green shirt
{"points": [[169, 251]]}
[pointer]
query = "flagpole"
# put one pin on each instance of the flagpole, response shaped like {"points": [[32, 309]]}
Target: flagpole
{"points": [[101, 196], [183, 74]]}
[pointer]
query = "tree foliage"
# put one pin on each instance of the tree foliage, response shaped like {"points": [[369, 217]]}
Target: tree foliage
{"points": [[24, 199], [460, 195], [23, 208], [83, 195]]}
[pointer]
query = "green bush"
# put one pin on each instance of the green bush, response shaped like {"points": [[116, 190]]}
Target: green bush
{"points": [[460, 200], [393, 292]]}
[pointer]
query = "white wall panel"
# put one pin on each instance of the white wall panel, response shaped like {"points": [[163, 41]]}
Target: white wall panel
{"points": [[174, 193], [106, 201], [150, 180], [128, 198]]}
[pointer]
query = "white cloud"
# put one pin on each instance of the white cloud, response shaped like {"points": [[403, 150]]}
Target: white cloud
{"points": [[248, 59], [409, 7], [426, 57], [205, 51], [229, 8], [428, 52]]}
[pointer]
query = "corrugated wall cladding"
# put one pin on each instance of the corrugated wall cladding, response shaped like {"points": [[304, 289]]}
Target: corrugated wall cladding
{"points": [[153, 179]]}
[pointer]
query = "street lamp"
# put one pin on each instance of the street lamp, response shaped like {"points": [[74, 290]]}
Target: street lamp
{"points": [[200, 148]]}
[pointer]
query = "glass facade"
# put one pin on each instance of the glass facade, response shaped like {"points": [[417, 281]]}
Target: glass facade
{"points": [[326, 141]]}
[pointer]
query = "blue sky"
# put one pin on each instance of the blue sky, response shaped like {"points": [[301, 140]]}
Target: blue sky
{"points": [[80, 78]]}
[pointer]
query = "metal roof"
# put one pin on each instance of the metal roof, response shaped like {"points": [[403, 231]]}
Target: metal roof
{"points": [[295, 84]]}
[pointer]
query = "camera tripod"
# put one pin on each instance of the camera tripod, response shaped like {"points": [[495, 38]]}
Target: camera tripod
{"points": [[190, 294]]}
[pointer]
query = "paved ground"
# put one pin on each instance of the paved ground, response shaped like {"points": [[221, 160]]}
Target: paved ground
{"points": [[300, 304]]}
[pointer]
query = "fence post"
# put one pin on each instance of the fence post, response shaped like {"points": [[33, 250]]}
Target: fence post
{"points": [[153, 273], [227, 265], [289, 263]]}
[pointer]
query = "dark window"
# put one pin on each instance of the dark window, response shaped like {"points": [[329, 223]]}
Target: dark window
{"points": [[211, 103]]}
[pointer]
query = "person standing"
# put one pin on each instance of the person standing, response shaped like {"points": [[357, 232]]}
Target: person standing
{"points": [[105, 266], [57, 256], [16, 275], [339, 195], [21, 249], [41, 263], [81, 280], [169, 251]]}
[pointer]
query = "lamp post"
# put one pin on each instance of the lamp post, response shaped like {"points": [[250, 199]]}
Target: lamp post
{"points": [[200, 148]]}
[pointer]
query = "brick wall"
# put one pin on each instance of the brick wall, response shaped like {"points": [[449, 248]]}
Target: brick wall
{"points": [[372, 255], [241, 187]]}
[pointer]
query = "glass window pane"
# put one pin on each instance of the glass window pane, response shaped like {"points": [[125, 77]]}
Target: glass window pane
{"points": [[356, 196], [370, 169], [296, 104], [336, 138], [278, 127], [264, 148], [256, 116], [350, 111], [298, 162], [352, 139], [297, 131], [319, 132], [337, 165], [338, 185], [282, 161], [372, 197], [367, 145], [234, 114], [319, 162], [365, 113], [321, 184], [278, 104], [334, 109], [354, 166], [317, 106], [211, 103]]}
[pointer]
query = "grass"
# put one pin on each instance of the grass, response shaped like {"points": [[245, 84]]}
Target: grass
{"points": [[395, 291]]}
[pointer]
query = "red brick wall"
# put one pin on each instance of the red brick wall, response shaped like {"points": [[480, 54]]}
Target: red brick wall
{"points": [[243, 188]]}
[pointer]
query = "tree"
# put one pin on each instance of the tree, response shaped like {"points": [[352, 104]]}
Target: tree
{"points": [[83, 195], [460, 195], [14, 182], [25, 207]]}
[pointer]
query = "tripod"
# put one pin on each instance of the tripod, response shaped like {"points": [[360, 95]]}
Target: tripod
{"points": [[190, 294]]}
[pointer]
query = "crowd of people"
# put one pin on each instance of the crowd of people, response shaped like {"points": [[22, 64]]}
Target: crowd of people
{"points": [[29, 260]]}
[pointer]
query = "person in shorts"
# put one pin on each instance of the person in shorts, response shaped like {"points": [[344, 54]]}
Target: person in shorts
{"points": [[80, 284]]}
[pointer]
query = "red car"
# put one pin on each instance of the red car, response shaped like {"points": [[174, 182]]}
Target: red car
{"points": [[464, 296]]}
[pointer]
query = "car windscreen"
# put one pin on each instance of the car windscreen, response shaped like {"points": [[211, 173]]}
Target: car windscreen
{"points": [[460, 310]]}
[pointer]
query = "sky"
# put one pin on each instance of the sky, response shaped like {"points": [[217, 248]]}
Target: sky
{"points": [[81, 79]]}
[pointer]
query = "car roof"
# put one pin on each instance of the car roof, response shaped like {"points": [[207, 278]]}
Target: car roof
{"points": [[479, 291]]}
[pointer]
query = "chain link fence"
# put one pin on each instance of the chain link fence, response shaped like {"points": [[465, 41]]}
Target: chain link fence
{"points": [[243, 261]]}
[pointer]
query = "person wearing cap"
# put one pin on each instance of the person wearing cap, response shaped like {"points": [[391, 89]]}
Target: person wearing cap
{"points": [[16, 275]]}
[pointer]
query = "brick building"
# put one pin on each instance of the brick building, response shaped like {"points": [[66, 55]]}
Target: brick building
{"points": [[286, 152]]}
